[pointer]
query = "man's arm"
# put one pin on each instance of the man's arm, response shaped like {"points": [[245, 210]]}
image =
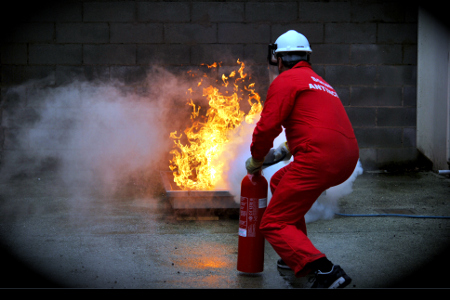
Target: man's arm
{"points": [[277, 107]]}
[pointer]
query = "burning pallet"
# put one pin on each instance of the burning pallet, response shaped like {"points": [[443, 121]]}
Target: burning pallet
{"points": [[198, 205]]}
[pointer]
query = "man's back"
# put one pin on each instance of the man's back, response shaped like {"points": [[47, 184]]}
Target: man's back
{"points": [[300, 101]]}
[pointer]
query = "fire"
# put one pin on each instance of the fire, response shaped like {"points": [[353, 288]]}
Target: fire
{"points": [[197, 165]]}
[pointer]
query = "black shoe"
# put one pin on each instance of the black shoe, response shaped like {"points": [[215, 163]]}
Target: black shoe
{"points": [[281, 264], [336, 278]]}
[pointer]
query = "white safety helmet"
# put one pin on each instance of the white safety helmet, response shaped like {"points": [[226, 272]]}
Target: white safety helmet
{"points": [[291, 41]]}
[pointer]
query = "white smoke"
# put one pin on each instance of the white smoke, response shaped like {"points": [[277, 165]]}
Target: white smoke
{"points": [[326, 205], [235, 153], [97, 135]]}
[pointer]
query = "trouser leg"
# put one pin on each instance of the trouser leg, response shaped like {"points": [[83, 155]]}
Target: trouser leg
{"points": [[327, 161], [283, 224]]}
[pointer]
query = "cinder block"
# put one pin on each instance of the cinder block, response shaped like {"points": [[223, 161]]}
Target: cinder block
{"points": [[51, 54], [344, 95], [379, 137], [82, 33], [136, 33], [409, 137], [13, 54], [376, 96], [235, 33], [409, 54], [334, 54], [350, 75], [397, 75], [8, 77], [398, 116], [129, 74], [396, 156], [324, 11], [368, 11], [271, 12], [410, 96], [376, 54], [109, 11], [17, 74], [58, 11], [368, 158], [397, 33], [217, 12], [67, 74], [168, 54], [97, 72], [255, 54], [32, 33], [163, 12], [320, 70], [189, 33], [361, 116], [350, 33], [225, 53], [109, 54]]}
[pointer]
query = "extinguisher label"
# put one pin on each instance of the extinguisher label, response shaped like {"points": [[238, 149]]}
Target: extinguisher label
{"points": [[242, 232], [249, 215], [262, 202]]}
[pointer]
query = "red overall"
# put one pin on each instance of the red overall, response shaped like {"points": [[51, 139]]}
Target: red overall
{"points": [[321, 139]]}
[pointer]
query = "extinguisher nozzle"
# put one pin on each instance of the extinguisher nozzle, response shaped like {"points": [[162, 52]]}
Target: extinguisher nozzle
{"points": [[270, 160]]}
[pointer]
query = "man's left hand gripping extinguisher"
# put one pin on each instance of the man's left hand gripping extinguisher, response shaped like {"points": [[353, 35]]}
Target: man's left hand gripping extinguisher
{"points": [[254, 189]]}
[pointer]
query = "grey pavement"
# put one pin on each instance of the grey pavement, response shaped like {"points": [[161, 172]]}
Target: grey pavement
{"points": [[133, 239]]}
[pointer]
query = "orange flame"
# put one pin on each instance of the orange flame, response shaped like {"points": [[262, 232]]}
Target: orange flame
{"points": [[198, 165]]}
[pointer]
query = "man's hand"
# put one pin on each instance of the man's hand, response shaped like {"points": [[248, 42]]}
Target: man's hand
{"points": [[281, 151], [253, 165]]}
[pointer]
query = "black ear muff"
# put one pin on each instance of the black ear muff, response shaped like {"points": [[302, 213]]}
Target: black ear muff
{"points": [[271, 57]]}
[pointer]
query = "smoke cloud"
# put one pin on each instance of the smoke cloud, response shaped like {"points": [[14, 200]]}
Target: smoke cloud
{"points": [[93, 135]]}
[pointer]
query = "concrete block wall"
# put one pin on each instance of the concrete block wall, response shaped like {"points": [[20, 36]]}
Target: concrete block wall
{"points": [[367, 50]]}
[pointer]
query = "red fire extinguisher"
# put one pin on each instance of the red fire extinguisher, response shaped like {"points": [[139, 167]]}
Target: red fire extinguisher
{"points": [[251, 242]]}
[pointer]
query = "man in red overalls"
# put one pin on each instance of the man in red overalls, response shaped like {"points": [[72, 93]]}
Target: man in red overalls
{"points": [[321, 139]]}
